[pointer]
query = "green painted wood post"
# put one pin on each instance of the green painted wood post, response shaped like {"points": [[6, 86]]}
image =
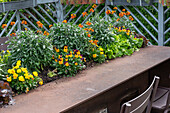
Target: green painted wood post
{"points": [[161, 26]]}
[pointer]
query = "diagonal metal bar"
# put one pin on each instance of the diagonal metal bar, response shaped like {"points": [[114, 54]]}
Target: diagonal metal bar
{"points": [[41, 16], [2, 21], [141, 24], [65, 6], [102, 10], [28, 21], [13, 27], [8, 23], [76, 12], [151, 14], [146, 19], [25, 26], [82, 14], [167, 41], [47, 14], [89, 15], [167, 31], [166, 10], [69, 11], [34, 18], [49, 8], [155, 8], [166, 20]]}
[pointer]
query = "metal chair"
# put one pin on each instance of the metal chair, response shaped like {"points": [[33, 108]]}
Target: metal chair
{"points": [[143, 101], [161, 103]]}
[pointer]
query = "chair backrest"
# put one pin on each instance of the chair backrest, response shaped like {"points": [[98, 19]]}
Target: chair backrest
{"points": [[143, 101]]}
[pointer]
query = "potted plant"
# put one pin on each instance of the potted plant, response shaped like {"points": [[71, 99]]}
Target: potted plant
{"points": [[131, 2], [14, 5]]}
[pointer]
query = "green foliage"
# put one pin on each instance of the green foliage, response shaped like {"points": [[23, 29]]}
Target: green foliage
{"points": [[33, 50], [123, 45], [4, 63], [67, 62], [21, 80], [71, 35], [102, 33]]}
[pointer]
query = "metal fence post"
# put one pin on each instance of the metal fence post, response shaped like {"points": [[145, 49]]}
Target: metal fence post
{"points": [[161, 27], [105, 12], [59, 11], [19, 22]]}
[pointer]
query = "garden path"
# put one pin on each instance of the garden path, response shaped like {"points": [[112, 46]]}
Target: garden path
{"points": [[56, 96]]}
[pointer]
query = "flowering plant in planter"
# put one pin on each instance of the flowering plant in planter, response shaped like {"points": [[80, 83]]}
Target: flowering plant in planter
{"points": [[83, 1], [21, 80], [67, 61]]}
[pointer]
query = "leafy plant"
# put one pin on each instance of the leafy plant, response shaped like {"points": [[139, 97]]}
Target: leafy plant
{"points": [[67, 62], [4, 63], [34, 50], [123, 46], [71, 35], [21, 80]]}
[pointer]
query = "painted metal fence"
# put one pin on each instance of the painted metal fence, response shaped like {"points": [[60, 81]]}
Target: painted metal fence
{"points": [[151, 21]]}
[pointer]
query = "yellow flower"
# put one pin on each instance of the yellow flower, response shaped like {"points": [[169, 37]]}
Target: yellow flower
{"points": [[66, 56], [18, 70], [76, 56], [21, 78], [127, 33], [18, 63], [9, 71], [60, 62], [67, 64], [35, 73], [101, 49], [101, 53], [65, 50], [76, 63], [105, 55], [94, 55], [24, 70], [16, 67], [78, 52], [15, 76], [9, 79], [57, 50], [71, 55], [12, 71], [27, 76], [7, 51], [31, 76], [66, 59], [41, 82]]}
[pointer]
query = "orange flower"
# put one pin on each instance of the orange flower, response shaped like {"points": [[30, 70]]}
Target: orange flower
{"points": [[12, 23], [46, 33], [50, 26], [84, 14], [88, 23], [127, 13], [113, 12], [91, 10], [89, 35], [13, 34], [123, 10], [26, 29], [121, 14], [80, 25], [94, 6], [24, 22], [39, 31], [131, 18], [86, 29], [108, 12], [90, 29], [115, 8], [95, 42], [73, 16], [64, 21], [91, 41], [118, 19], [4, 26], [38, 22], [53, 57]]}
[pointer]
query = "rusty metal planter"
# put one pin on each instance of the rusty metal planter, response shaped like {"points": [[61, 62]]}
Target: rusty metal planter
{"points": [[15, 5]]}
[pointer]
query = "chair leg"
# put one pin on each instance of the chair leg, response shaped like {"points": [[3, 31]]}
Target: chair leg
{"points": [[166, 111]]}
